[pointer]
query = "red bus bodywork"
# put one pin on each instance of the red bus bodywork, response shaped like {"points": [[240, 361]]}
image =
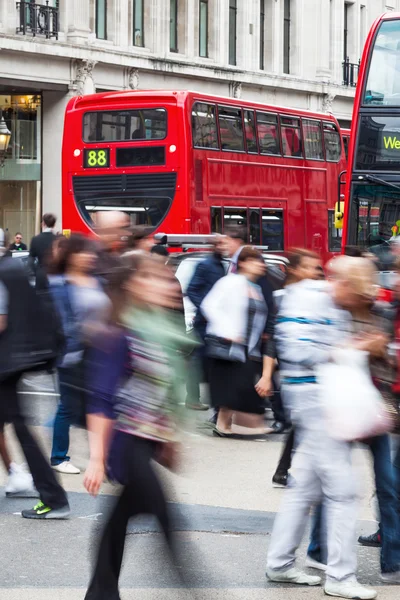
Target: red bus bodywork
{"points": [[284, 201]]}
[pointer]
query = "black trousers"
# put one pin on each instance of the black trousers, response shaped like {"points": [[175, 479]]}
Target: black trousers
{"points": [[142, 494], [285, 461], [50, 491]]}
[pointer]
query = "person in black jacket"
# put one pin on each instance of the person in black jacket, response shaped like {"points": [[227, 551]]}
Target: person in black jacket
{"points": [[40, 248], [18, 245], [206, 275]]}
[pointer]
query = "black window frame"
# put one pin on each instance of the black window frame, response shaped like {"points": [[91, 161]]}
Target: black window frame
{"points": [[322, 139], [334, 126], [262, 35], [97, 20], [215, 106], [232, 39], [134, 23], [282, 126], [286, 36], [203, 3], [227, 107], [173, 25], [221, 216], [278, 127], [125, 141]]}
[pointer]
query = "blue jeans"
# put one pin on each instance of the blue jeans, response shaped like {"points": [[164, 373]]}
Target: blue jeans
{"points": [[68, 413], [317, 549], [387, 487]]}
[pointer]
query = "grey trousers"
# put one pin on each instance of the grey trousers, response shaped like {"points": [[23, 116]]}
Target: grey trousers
{"points": [[321, 470]]}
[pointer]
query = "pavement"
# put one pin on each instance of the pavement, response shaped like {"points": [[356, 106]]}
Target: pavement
{"points": [[223, 507]]}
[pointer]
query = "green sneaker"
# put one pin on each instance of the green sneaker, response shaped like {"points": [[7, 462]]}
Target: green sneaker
{"points": [[41, 511]]}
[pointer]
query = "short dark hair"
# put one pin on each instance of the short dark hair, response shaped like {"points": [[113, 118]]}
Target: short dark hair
{"points": [[75, 244], [18, 233], [160, 250], [237, 232], [354, 251], [296, 255], [249, 253], [49, 220], [139, 233]]}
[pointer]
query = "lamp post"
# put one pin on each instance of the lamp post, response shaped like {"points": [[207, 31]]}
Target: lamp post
{"points": [[5, 136]]}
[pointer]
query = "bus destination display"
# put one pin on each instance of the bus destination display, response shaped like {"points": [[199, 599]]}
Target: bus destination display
{"points": [[98, 158]]}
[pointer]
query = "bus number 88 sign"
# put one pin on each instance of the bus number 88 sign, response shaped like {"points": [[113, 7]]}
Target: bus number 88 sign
{"points": [[98, 159]]}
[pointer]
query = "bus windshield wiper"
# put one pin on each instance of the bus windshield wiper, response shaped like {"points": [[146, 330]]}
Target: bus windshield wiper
{"points": [[380, 181]]}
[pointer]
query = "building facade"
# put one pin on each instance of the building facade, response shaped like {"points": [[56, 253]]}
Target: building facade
{"points": [[297, 53]]}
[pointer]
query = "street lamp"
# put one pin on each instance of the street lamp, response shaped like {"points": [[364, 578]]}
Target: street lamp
{"points": [[5, 136]]}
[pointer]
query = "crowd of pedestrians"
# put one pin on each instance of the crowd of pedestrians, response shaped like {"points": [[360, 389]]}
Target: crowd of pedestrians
{"points": [[107, 316]]}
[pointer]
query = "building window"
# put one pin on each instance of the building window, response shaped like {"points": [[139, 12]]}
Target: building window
{"points": [[262, 34], [138, 22], [286, 36], [232, 31], [346, 32], [173, 26], [101, 19], [203, 28]]}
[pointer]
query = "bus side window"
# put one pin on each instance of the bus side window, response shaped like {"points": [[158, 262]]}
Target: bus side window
{"points": [[313, 139], [291, 137], [268, 133], [250, 130], [333, 148], [204, 126], [231, 128], [272, 229], [216, 219]]}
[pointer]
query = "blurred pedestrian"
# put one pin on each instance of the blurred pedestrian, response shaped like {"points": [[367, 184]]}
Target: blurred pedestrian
{"points": [[80, 301], [311, 323], [113, 231], [40, 249], [141, 239], [30, 339], [206, 275], [131, 415], [239, 368], [18, 245]]}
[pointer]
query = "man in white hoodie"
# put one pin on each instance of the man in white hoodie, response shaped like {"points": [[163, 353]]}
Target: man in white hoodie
{"points": [[310, 323]]}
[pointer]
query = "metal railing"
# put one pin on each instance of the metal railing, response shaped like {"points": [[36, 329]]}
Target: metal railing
{"points": [[350, 72], [38, 19]]}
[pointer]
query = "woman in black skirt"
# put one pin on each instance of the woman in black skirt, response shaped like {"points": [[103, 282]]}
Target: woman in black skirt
{"points": [[239, 368]]}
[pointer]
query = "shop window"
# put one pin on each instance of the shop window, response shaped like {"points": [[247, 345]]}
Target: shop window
{"points": [[291, 137], [268, 133], [272, 229], [335, 235], [333, 148], [204, 126], [216, 219], [250, 130], [138, 22], [254, 226], [313, 139], [231, 129]]}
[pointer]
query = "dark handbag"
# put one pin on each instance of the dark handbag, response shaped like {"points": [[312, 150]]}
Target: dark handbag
{"points": [[222, 349]]}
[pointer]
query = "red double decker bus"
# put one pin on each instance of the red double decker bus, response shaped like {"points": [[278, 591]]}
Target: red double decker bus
{"points": [[183, 162], [372, 208]]}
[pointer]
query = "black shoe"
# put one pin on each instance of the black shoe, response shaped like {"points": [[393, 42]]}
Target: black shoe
{"points": [[278, 427], [374, 540], [280, 480], [41, 511]]}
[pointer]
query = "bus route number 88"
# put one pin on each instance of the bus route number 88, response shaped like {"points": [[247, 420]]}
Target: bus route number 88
{"points": [[97, 159]]}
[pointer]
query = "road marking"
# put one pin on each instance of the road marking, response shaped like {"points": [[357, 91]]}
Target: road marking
{"points": [[91, 517]]}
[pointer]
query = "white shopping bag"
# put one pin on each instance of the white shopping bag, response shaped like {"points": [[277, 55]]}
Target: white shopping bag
{"points": [[353, 406]]}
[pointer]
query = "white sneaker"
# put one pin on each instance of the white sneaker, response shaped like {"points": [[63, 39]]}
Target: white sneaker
{"points": [[67, 468], [391, 578], [293, 575], [20, 483], [314, 564], [349, 589]]}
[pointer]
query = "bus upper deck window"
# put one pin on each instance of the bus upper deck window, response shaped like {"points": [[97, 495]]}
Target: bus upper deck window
{"points": [[268, 133], [291, 137], [125, 125], [313, 139], [333, 148], [383, 86], [250, 130], [231, 128], [204, 126]]}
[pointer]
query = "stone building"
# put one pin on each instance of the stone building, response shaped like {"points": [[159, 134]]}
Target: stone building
{"points": [[298, 53]]}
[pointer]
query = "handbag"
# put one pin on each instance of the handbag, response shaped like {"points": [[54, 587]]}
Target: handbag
{"points": [[223, 349], [353, 406]]}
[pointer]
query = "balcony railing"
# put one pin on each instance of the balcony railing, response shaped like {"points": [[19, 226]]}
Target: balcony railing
{"points": [[38, 19], [350, 72]]}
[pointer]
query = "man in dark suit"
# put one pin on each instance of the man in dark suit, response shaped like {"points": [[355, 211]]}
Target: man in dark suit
{"points": [[41, 247], [206, 275]]}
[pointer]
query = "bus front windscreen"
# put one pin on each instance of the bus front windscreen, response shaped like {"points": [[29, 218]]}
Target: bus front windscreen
{"points": [[383, 82], [376, 220]]}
